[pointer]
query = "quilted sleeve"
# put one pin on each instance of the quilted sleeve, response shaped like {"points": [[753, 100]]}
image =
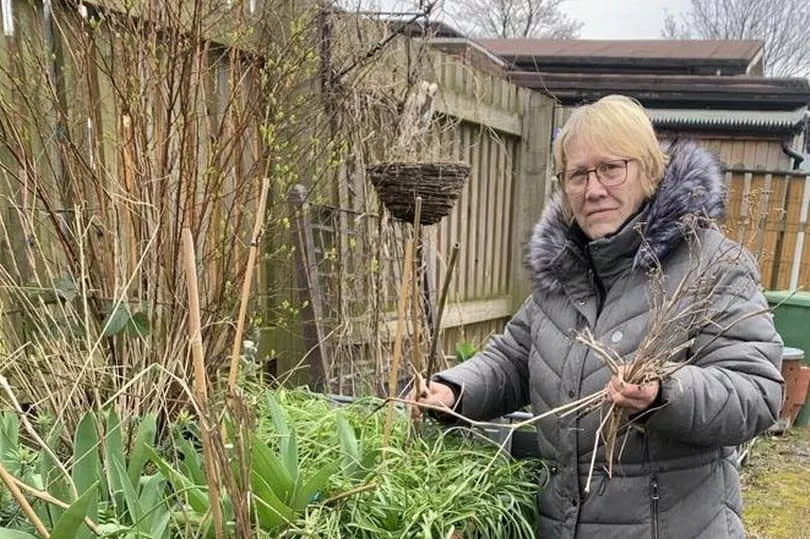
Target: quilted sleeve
{"points": [[495, 381]]}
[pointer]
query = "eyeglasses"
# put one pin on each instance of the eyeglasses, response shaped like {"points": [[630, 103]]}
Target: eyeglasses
{"points": [[608, 173]]}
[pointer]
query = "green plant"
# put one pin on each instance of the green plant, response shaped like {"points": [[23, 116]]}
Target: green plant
{"points": [[282, 487], [427, 486], [103, 484], [465, 351]]}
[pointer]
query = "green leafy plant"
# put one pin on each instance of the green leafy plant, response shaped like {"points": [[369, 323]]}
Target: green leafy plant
{"points": [[121, 319], [465, 351], [103, 483]]}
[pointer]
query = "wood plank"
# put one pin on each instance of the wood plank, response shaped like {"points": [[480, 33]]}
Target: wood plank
{"points": [[800, 272], [790, 230], [757, 214], [492, 264], [456, 149], [464, 218], [530, 186], [456, 315], [441, 240], [477, 111], [733, 196], [744, 223], [472, 217], [776, 237], [481, 255], [771, 221], [507, 203], [472, 312], [497, 167], [749, 151], [760, 159]]}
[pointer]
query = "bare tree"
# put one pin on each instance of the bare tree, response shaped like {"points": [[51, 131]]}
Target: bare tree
{"points": [[513, 18], [784, 26]]}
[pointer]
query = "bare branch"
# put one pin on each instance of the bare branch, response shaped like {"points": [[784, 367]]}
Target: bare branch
{"points": [[513, 18], [784, 26]]}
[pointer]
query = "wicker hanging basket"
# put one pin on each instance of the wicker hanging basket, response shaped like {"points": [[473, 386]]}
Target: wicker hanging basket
{"points": [[439, 185]]}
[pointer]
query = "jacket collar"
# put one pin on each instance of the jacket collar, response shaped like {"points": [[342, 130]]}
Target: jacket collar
{"points": [[692, 186]]}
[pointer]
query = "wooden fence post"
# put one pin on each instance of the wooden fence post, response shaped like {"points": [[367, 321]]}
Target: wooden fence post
{"points": [[529, 191], [307, 277]]}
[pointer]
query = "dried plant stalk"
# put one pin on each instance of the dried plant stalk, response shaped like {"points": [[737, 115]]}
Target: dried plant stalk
{"points": [[12, 487], [200, 391], [246, 284]]}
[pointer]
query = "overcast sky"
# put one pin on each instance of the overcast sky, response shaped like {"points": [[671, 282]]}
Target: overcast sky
{"points": [[622, 19], [603, 19]]}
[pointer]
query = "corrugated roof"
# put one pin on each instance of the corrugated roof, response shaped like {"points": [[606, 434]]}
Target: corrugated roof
{"points": [[673, 91], [692, 49], [772, 121]]}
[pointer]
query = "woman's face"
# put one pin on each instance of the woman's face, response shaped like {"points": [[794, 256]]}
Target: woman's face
{"points": [[599, 209]]}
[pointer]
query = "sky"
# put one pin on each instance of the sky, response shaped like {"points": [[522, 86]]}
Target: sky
{"points": [[622, 19], [603, 19]]}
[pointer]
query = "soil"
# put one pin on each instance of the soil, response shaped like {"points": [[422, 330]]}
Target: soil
{"points": [[776, 486]]}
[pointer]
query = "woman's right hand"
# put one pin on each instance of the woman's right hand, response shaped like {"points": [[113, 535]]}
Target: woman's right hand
{"points": [[436, 394]]}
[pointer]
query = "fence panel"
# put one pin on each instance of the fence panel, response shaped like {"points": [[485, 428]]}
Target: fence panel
{"points": [[768, 213]]}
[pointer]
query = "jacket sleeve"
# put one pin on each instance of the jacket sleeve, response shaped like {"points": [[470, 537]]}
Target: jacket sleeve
{"points": [[496, 380], [733, 390]]}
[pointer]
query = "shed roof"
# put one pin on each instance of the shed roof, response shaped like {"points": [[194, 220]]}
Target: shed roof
{"points": [[672, 91], [774, 122], [691, 49], [651, 56]]}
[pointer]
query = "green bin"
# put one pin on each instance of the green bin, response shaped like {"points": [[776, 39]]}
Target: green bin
{"points": [[792, 319], [791, 316]]}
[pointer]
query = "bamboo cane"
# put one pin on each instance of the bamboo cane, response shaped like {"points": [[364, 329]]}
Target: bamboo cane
{"points": [[437, 323], [22, 502], [416, 300], [195, 341], [402, 309], [240, 322]]}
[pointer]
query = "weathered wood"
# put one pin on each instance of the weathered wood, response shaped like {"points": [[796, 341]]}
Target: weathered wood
{"points": [[435, 344], [306, 272], [468, 314], [497, 168], [780, 215], [800, 272], [529, 188], [475, 111]]}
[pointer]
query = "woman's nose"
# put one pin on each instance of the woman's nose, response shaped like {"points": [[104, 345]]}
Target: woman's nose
{"points": [[593, 187]]}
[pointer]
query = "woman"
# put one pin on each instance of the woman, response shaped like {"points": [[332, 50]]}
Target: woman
{"points": [[620, 212]]}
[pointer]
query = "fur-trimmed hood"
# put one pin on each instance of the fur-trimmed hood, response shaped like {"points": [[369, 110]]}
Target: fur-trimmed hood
{"points": [[692, 185]]}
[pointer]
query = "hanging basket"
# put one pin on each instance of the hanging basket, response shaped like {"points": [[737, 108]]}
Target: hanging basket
{"points": [[439, 185]]}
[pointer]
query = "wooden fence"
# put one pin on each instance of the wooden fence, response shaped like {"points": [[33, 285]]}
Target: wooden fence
{"points": [[503, 132], [768, 213]]}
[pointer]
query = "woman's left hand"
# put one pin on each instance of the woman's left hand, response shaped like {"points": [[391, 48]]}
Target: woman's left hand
{"points": [[635, 398]]}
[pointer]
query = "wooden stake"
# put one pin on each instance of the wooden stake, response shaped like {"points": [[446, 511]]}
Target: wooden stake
{"points": [[416, 301], [8, 480], [402, 309], [246, 284], [200, 392], [437, 323]]}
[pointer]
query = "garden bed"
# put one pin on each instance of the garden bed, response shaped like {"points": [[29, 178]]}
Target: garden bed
{"points": [[316, 469]]}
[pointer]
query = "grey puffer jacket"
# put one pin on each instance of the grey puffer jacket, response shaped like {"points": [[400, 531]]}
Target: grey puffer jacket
{"points": [[676, 476]]}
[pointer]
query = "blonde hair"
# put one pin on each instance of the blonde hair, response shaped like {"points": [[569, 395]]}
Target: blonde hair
{"points": [[616, 124]]}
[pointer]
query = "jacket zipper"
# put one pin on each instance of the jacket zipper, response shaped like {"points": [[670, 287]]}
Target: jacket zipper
{"points": [[654, 505]]}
